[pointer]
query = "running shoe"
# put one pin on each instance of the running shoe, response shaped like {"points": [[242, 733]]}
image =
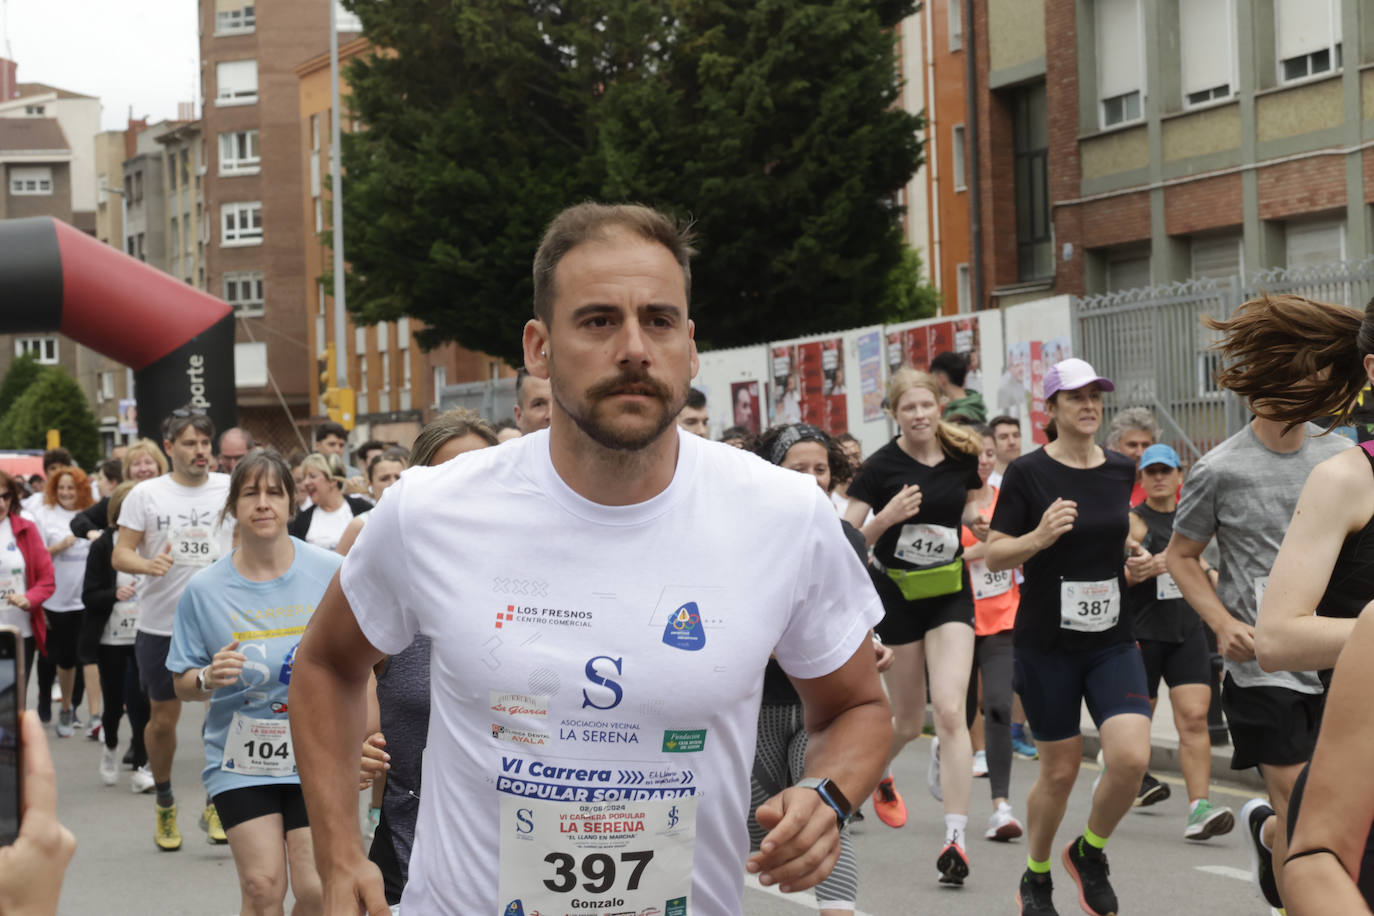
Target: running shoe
{"points": [[44, 709], [1152, 792], [1253, 816], [1035, 896], [141, 780], [888, 804], [952, 864], [1024, 747], [1206, 821], [1003, 825], [374, 816], [980, 763], [65, 728], [209, 822], [109, 766], [167, 837], [56, 691], [933, 771], [94, 730], [1087, 866]]}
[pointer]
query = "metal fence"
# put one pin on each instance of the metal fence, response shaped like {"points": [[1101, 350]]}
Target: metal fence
{"points": [[494, 399], [1153, 344]]}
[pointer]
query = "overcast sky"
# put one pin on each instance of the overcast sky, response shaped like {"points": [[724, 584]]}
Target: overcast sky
{"points": [[140, 53]]}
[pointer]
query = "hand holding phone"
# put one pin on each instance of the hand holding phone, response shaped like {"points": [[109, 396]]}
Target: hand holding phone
{"points": [[32, 867]]}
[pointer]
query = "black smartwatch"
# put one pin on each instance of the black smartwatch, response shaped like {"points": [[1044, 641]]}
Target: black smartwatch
{"points": [[831, 795]]}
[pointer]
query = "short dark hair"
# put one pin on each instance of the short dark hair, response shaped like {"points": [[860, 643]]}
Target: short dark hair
{"points": [[330, 428], [112, 469], [371, 445], [182, 417], [1002, 420], [953, 365], [504, 423], [696, 399], [57, 457], [735, 432], [587, 221], [520, 375]]}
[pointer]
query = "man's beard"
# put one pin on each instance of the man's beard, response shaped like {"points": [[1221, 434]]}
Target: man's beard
{"points": [[609, 437]]}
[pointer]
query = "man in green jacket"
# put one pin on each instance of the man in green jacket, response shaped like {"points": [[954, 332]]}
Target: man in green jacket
{"points": [[950, 370]]}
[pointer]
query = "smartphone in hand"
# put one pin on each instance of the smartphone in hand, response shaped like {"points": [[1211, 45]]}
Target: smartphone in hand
{"points": [[11, 705]]}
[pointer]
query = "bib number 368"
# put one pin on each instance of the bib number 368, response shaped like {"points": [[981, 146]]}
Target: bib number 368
{"points": [[599, 869]]}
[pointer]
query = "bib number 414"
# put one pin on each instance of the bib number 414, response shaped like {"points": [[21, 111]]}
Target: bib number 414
{"points": [[598, 868]]}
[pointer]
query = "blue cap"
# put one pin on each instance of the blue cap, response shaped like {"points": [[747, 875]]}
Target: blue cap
{"points": [[1160, 454]]}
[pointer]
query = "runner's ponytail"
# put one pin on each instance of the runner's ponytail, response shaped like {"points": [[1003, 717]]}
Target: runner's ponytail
{"points": [[1294, 359]]}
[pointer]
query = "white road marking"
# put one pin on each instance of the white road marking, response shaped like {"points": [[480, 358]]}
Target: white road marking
{"points": [[803, 898], [1226, 871]]}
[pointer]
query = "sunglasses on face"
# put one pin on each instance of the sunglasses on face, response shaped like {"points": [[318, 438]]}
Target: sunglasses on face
{"points": [[183, 412]]}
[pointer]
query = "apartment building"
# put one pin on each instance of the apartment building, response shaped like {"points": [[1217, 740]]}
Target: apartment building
{"points": [[79, 117], [398, 385], [1149, 141]]}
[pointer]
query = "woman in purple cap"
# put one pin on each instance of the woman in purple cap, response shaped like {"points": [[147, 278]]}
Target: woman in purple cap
{"points": [[1062, 514]]}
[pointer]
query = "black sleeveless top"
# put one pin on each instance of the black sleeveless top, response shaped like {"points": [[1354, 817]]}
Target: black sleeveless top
{"points": [[1160, 619], [1351, 585]]}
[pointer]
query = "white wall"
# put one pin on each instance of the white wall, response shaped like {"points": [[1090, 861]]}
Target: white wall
{"points": [[80, 121]]}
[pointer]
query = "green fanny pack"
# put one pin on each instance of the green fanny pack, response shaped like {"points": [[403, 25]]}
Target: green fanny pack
{"points": [[929, 583]]}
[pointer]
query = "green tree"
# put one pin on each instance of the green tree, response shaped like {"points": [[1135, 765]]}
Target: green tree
{"points": [[909, 295], [53, 401], [771, 124], [22, 373]]}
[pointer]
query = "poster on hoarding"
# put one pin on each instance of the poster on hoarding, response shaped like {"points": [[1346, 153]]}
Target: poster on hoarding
{"points": [[744, 398], [809, 386], [871, 375], [128, 417], [916, 347], [1021, 393]]}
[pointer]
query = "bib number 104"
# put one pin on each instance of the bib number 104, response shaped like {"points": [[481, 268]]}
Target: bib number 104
{"points": [[598, 868], [266, 750]]}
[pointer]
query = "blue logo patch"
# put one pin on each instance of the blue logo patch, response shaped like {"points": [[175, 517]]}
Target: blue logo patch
{"points": [[515, 908], [684, 629]]}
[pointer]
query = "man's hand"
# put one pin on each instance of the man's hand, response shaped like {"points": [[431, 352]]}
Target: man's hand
{"points": [[979, 528], [803, 841], [125, 592], [375, 762], [31, 870], [354, 888], [159, 564], [884, 655], [1236, 641], [1141, 564]]}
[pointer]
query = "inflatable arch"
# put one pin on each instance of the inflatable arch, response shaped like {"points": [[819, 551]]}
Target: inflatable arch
{"points": [[178, 340]]}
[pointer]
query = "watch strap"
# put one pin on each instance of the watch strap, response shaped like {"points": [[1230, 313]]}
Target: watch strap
{"points": [[831, 795]]}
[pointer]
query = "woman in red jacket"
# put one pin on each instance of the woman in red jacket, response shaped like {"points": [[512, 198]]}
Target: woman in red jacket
{"points": [[26, 572]]}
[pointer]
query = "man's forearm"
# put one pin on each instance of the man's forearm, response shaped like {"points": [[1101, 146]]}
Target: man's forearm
{"points": [[328, 713], [1197, 590], [127, 561], [852, 749]]}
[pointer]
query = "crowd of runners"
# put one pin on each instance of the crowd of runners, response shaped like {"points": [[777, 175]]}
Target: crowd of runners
{"points": [[333, 624]]}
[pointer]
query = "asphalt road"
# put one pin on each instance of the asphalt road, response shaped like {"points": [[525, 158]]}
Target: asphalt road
{"points": [[117, 869]]}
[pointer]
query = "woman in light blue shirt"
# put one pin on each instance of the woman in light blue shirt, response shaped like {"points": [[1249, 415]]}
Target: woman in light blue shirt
{"points": [[236, 631]]}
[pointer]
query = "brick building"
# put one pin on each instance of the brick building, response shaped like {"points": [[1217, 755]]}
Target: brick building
{"points": [[252, 186], [1124, 143]]}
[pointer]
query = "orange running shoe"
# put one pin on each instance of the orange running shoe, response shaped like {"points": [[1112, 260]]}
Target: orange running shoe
{"points": [[888, 804]]}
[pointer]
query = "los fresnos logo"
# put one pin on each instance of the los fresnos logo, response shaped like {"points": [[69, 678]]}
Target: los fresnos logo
{"points": [[684, 629]]}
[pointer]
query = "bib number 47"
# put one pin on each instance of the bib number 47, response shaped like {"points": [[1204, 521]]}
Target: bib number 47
{"points": [[598, 868]]}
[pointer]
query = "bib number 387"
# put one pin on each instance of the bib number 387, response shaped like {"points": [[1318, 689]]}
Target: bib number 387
{"points": [[599, 858], [1089, 607]]}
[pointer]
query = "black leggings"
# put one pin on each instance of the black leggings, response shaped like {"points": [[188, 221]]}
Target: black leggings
{"points": [[993, 656], [119, 684], [53, 655]]}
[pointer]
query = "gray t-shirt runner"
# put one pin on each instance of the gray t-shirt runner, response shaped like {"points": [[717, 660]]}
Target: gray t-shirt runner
{"points": [[1244, 493]]}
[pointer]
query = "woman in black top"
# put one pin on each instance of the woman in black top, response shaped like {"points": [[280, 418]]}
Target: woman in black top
{"points": [[921, 486], [1062, 515]]}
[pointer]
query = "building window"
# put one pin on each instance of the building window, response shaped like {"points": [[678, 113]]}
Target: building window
{"points": [[956, 24], [1308, 33], [243, 290], [236, 82], [1314, 242], [35, 109], [233, 17], [241, 223], [1128, 267], [238, 153], [1216, 257], [319, 215], [1207, 50], [964, 289], [104, 389], [386, 376], [1120, 61], [31, 180], [362, 378], [43, 349], [440, 380], [1031, 182], [959, 150]]}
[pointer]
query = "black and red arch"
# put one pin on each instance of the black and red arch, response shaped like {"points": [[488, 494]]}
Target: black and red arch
{"points": [[178, 340]]}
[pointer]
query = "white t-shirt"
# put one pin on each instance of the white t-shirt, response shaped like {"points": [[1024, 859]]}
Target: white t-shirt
{"points": [[187, 518], [326, 528], [596, 671], [69, 566], [12, 571]]}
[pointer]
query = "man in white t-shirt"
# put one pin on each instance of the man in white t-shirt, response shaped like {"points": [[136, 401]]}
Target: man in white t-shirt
{"points": [[593, 707], [169, 529]]}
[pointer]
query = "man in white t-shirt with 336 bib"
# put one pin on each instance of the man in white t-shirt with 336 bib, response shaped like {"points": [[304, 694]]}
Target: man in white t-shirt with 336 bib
{"points": [[169, 529], [593, 706]]}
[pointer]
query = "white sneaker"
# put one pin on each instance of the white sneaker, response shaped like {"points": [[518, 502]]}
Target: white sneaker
{"points": [[141, 780], [109, 765], [1003, 825], [980, 763], [56, 692], [933, 771]]}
